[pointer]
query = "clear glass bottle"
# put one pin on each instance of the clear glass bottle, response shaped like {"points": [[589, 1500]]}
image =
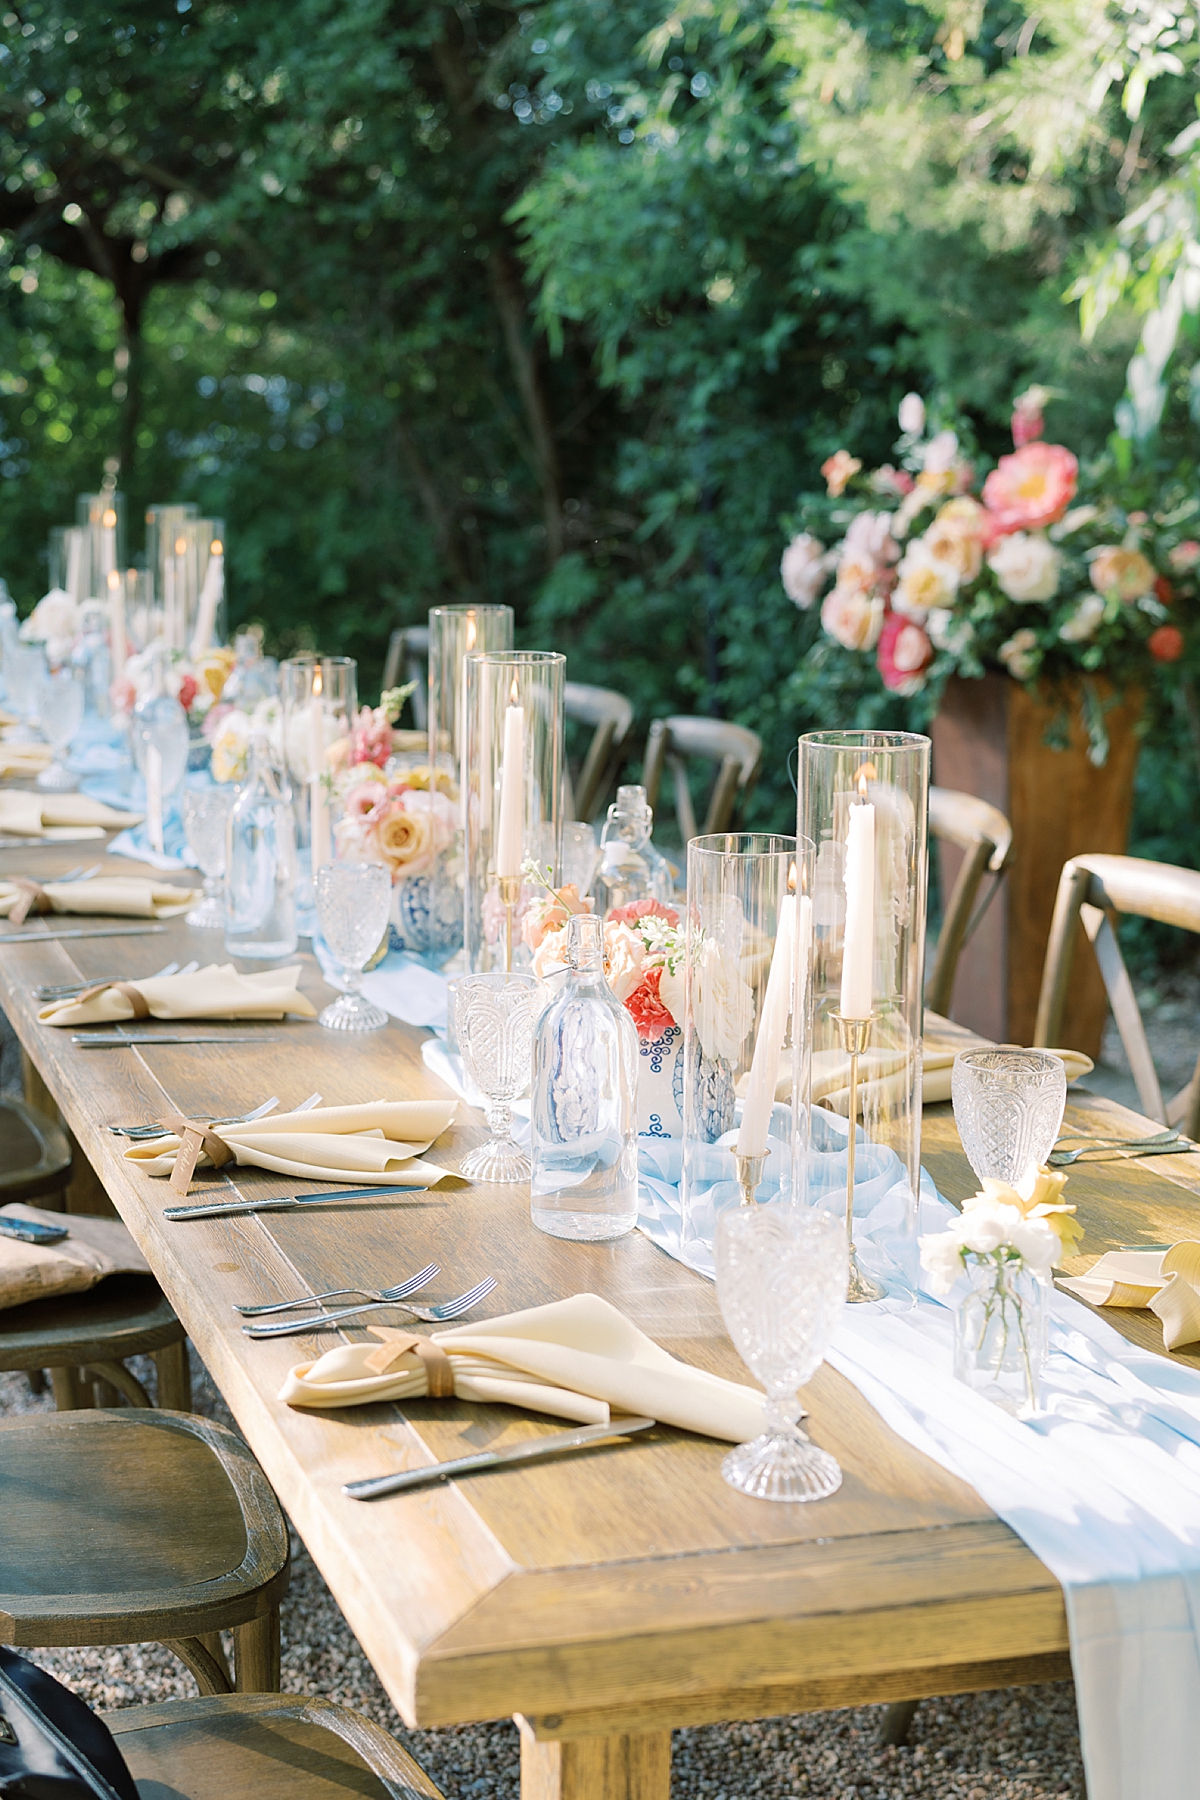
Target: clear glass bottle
{"points": [[260, 864], [159, 719], [584, 1114], [630, 868], [254, 677]]}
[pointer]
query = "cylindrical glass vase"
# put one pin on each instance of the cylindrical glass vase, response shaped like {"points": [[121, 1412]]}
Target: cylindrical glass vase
{"points": [[456, 632], [512, 780], [1000, 1333], [738, 887], [863, 799]]}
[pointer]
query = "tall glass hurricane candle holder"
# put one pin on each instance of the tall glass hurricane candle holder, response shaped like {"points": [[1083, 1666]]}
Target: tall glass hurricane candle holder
{"points": [[743, 906], [512, 779], [863, 800], [456, 632]]}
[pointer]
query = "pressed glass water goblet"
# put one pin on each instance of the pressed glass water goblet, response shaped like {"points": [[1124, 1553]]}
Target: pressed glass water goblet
{"points": [[60, 714], [1008, 1106], [353, 900], [493, 1019], [205, 818], [781, 1285]]}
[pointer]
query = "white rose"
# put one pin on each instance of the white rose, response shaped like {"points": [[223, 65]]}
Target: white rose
{"points": [[1026, 565], [853, 618], [941, 1258], [948, 631], [802, 569], [1083, 621], [912, 415], [940, 453], [986, 1224], [869, 539], [723, 1003], [924, 582], [54, 621], [1037, 1243], [670, 991]]}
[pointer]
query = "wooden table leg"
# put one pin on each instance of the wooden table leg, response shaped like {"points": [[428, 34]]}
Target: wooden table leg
{"points": [[631, 1766]]}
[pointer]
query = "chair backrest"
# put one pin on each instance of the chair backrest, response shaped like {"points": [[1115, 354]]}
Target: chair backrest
{"points": [[735, 749], [408, 660], [984, 836], [1089, 889], [612, 716]]}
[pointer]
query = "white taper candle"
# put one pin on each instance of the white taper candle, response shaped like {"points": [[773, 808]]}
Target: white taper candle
{"points": [[858, 946], [510, 837]]}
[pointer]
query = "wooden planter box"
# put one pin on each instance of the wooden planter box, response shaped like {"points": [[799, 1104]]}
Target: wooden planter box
{"points": [[989, 740]]}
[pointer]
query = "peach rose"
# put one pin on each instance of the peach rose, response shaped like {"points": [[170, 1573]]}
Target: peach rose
{"points": [[406, 839], [624, 954], [837, 470], [551, 911], [1126, 573], [956, 537], [852, 618], [551, 954], [1032, 487]]}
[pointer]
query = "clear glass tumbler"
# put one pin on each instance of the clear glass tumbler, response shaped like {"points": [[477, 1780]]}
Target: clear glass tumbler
{"points": [[353, 901], [205, 819], [493, 1020], [60, 712], [781, 1285], [1008, 1106]]}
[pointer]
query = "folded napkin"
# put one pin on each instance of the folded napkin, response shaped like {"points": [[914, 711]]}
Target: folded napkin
{"points": [[575, 1359], [376, 1144], [49, 815], [19, 761], [883, 1074], [94, 1249], [124, 896], [1168, 1282], [217, 992]]}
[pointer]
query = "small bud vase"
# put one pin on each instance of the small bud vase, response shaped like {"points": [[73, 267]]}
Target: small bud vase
{"points": [[1000, 1333]]}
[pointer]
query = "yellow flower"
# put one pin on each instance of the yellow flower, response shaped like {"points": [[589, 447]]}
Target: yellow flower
{"points": [[1044, 1202]]}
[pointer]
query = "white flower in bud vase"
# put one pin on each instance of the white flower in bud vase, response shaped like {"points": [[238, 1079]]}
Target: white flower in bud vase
{"points": [[802, 569], [723, 1002], [1026, 565], [912, 415], [1083, 622]]}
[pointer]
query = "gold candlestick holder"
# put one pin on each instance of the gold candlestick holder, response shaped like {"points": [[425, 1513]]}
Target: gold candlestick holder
{"points": [[855, 1035], [510, 894], [749, 1174]]}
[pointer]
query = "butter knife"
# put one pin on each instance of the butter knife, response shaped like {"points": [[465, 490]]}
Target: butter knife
{"points": [[112, 1041], [38, 937], [214, 1209], [400, 1483]]}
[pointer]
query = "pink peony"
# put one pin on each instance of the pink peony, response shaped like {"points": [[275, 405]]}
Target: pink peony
{"points": [[646, 1009], [1032, 487], [904, 654], [643, 909], [364, 800]]}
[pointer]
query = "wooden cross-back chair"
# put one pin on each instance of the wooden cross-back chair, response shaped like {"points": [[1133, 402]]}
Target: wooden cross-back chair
{"points": [[984, 836], [1090, 889], [737, 752], [408, 660], [611, 715]]}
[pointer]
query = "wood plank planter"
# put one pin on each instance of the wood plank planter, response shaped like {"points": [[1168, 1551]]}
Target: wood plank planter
{"points": [[989, 740]]}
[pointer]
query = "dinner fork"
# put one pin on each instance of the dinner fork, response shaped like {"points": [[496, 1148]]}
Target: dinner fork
{"points": [[1163, 1143], [155, 1130], [67, 990], [431, 1315], [381, 1297], [78, 873]]}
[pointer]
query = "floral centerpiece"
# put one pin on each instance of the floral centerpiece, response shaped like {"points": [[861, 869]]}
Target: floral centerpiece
{"points": [[196, 682], [1037, 568], [1007, 1240]]}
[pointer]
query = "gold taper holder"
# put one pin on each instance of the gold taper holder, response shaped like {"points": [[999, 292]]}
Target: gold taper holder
{"points": [[510, 893], [749, 1174], [855, 1035]]}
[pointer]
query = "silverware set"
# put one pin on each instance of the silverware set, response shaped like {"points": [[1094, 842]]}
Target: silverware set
{"points": [[67, 990], [1162, 1143], [430, 1315], [152, 1129]]}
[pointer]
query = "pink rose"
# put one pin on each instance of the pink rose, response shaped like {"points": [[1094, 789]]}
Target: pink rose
{"points": [[1185, 555], [1032, 487], [852, 618], [904, 654], [888, 480], [643, 909], [625, 954], [365, 799], [802, 569]]}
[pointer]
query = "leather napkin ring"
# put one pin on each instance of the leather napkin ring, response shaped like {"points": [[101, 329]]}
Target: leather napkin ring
{"points": [[31, 898], [439, 1370], [193, 1137], [134, 996]]}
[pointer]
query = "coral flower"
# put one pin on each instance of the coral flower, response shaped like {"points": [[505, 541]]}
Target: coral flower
{"points": [[1166, 644], [1031, 488], [837, 470], [643, 909], [646, 1008]]}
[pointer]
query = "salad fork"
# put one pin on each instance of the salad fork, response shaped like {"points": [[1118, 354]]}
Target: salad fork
{"points": [[155, 1130], [431, 1315], [381, 1297], [69, 989]]}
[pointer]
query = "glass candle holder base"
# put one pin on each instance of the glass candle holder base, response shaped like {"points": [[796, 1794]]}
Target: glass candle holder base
{"points": [[499, 1160], [353, 1013], [57, 779], [782, 1465], [862, 1286], [208, 915]]}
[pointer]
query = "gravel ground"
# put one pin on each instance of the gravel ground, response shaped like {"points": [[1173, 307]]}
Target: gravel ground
{"points": [[1019, 1744]]}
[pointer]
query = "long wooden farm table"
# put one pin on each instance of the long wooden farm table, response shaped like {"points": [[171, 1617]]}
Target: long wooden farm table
{"points": [[602, 1598]]}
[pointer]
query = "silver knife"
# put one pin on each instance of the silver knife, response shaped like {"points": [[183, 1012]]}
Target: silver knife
{"points": [[88, 931], [491, 1459], [110, 1041], [212, 1209]]}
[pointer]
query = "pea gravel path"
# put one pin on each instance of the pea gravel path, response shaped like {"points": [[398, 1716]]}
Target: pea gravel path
{"points": [[1019, 1744]]}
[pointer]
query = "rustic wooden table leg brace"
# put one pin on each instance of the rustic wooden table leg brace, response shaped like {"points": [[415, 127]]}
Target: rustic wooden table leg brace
{"points": [[627, 1766]]}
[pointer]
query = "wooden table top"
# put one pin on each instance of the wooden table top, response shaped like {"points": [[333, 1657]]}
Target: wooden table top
{"points": [[621, 1591]]}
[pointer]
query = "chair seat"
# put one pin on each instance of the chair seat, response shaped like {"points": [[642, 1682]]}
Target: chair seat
{"points": [[35, 1156], [126, 1315], [124, 1526], [263, 1747]]}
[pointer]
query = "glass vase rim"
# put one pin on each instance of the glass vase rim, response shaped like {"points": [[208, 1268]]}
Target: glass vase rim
{"points": [[769, 843], [459, 607], [867, 740], [531, 659]]}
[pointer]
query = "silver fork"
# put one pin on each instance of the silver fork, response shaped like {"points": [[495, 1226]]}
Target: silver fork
{"points": [[144, 1133], [432, 1315], [78, 873], [63, 990], [381, 1296]]}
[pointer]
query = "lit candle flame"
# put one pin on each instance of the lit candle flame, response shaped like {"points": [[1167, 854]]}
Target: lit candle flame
{"points": [[180, 546], [216, 548], [318, 686], [470, 631], [792, 879], [514, 693], [109, 520], [114, 580], [867, 772]]}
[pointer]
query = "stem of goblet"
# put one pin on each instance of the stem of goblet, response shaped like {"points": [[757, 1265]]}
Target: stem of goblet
{"points": [[212, 887], [783, 1414], [354, 980], [499, 1118]]}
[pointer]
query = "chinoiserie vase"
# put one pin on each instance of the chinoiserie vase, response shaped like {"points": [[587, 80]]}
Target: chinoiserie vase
{"points": [[660, 1084], [996, 740], [1000, 1333], [427, 912]]}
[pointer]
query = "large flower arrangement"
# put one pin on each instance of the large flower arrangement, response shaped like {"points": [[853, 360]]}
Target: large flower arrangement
{"points": [[643, 951], [1038, 569], [404, 817]]}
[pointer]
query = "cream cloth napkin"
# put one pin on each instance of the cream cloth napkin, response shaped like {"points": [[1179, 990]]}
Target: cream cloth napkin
{"points": [[217, 992], [124, 896], [94, 1249], [1168, 1282], [883, 1074], [46, 815], [376, 1144], [575, 1358], [17, 760]]}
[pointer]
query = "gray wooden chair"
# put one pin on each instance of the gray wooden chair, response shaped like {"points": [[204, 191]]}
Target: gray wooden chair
{"points": [[408, 660], [671, 743], [611, 716], [984, 836], [123, 1527], [1090, 890]]}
